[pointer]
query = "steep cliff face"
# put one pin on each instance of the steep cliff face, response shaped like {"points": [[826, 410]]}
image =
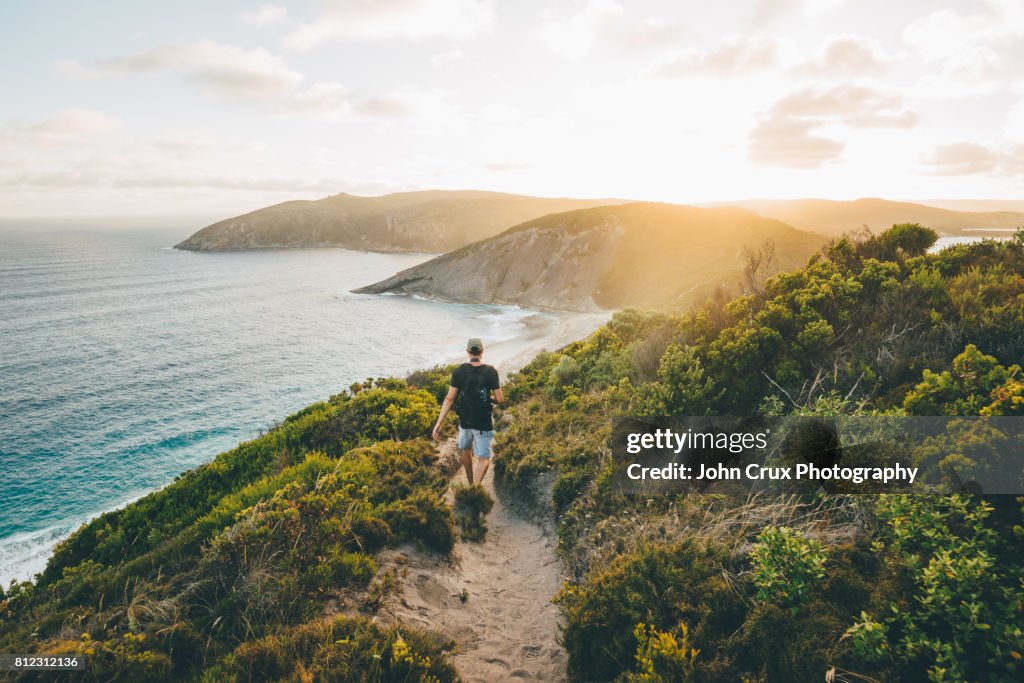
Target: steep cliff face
{"points": [[547, 269], [638, 254], [409, 221]]}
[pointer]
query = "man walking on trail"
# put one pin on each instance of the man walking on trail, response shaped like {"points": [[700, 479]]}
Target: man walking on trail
{"points": [[474, 387]]}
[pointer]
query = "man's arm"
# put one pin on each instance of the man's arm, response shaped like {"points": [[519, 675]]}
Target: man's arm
{"points": [[446, 406], [497, 397]]}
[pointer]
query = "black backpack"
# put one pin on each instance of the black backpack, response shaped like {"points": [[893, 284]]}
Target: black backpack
{"points": [[473, 405]]}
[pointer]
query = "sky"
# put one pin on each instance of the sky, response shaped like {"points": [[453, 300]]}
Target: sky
{"points": [[164, 108]]}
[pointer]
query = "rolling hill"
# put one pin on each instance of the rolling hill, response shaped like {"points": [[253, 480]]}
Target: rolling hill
{"points": [[637, 254], [833, 218], [432, 221]]}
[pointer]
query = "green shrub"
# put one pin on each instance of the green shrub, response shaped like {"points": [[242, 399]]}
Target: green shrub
{"points": [[565, 373], [910, 238], [776, 644], [663, 656], [343, 649], [376, 414], [659, 586], [568, 486], [125, 659], [787, 566], [961, 616], [436, 380], [472, 503], [976, 385], [683, 387], [423, 518]]}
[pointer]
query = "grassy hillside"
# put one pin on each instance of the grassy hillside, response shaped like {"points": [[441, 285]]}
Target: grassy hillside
{"points": [[639, 254], [430, 221], [730, 587], [259, 565], [834, 218], [262, 564]]}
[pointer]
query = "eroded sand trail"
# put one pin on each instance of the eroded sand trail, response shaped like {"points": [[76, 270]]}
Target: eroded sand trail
{"points": [[507, 628]]}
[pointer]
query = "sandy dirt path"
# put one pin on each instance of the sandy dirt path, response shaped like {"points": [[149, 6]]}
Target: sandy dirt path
{"points": [[507, 628]]}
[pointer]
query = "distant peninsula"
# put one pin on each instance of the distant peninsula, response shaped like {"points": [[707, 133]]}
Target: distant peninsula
{"points": [[444, 220], [835, 218], [428, 221], [604, 258]]}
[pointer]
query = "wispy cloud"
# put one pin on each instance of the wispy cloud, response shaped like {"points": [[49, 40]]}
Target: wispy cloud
{"points": [[217, 67], [791, 143], [771, 11], [265, 15], [788, 136], [73, 179], [393, 106], [858, 106], [419, 109], [196, 146], [320, 100], [735, 56], [968, 158], [742, 56], [508, 166], [576, 34], [332, 101], [406, 19], [262, 183], [945, 33], [1014, 124], [69, 127], [448, 57], [975, 53], [651, 33], [847, 55]]}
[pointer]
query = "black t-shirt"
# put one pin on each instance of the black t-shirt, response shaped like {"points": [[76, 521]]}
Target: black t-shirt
{"points": [[490, 379]]}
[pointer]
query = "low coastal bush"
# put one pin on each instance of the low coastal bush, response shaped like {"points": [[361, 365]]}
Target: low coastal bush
{"points": [[172, 518], [960, 613], [436, 380], [472, 503], [246, 569], [787, 566], [791, 589], [341, 649], [659, 586], [663, 655]]}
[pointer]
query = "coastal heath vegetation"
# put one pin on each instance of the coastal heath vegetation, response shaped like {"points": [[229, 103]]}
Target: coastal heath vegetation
{"points": [[261, 565], [472, 503], [257, 565], [730, 586]]}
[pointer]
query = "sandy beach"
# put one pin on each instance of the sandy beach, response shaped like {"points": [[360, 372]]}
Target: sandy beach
{"points": [[543, 332]]}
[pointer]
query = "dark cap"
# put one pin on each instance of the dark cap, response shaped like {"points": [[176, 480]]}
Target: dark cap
{"points": [[474, 345]]}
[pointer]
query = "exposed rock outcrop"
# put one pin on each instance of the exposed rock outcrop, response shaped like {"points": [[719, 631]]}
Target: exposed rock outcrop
{"points": [[638, 254]]}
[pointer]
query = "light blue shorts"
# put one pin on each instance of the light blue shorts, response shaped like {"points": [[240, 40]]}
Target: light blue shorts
{"points": [[478, 439]]}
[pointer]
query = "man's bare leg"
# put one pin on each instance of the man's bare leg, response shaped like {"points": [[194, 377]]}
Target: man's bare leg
{"points": [[467, 463], [484, 463]]}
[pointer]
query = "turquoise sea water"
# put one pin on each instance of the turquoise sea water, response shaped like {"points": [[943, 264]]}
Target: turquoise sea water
{"points": [[124, 362]]}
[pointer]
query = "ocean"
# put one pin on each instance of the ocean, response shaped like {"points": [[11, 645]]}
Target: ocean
{"points": [[124, 362]]}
